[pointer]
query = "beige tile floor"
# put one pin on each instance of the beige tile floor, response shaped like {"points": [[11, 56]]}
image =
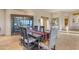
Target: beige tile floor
{"points": [[10, 43], [67, 41]]}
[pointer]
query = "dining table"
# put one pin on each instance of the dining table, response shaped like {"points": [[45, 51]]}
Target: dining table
{"points": [[38, 33]]}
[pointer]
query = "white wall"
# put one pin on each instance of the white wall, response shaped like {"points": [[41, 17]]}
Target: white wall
{"points": [[61, 17], [5, 19], [8, 19], [38, 15], [2, 22]]}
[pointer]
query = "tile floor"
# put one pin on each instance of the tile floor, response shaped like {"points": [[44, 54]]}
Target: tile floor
{"points": [[65, 41], [10, 43]]}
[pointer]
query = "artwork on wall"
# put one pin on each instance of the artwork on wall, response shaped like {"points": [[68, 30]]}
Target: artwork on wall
{"points": [[76, 18], [54, 21]]}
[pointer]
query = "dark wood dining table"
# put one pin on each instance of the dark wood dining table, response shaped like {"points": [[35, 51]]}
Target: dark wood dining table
{"points": [[44, 34]]}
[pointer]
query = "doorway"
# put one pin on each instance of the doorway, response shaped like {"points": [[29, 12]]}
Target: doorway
{"points": [[45, 22], [66, 21]]}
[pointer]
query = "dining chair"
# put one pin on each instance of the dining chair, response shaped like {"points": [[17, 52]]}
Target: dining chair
{"points": [[36, 28], [28, 41]]}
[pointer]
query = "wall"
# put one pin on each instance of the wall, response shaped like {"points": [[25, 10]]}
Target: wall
{"points": [[2, 22], [38, 15], [74, 26], [6, 19], [62, 16]]}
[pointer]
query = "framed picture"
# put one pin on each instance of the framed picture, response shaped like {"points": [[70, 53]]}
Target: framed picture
{"points": [[55, 21]]}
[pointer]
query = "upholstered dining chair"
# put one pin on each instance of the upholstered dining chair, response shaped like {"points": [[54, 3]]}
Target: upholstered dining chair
{"points": [[28, 41], [36, 28]]}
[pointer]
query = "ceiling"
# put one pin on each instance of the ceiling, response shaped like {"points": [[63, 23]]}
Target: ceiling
{"points": [[51, 10], [60, 10]]}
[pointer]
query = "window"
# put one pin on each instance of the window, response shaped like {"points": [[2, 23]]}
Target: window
{"points": [[20, 21]]}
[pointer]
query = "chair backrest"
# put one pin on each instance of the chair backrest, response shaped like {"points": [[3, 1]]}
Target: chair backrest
{"points": [[23, 32], [36, 28], [42, 29]]}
